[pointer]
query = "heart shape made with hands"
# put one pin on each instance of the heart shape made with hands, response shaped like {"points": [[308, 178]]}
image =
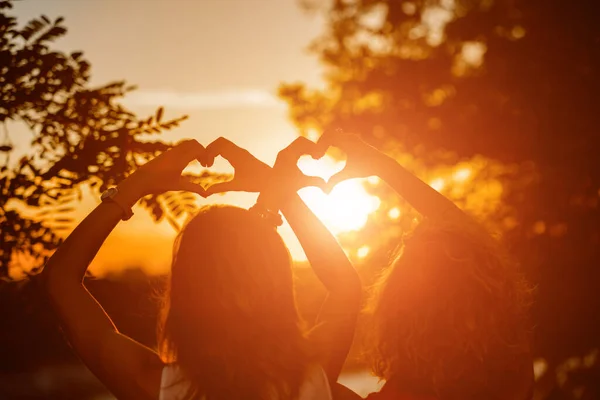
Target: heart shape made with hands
{"points": [[252, 175], [361, 157]]}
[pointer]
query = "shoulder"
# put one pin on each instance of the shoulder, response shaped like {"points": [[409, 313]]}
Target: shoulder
{"points": [[341, 392], [173, 384], [316, 385]]}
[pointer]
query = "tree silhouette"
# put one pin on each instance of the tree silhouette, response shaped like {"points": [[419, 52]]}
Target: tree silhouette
{"points": [[506, 88], [80, 135]]}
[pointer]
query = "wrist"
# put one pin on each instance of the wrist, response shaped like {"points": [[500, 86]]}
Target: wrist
{"points": [[271, 198], [130, 191], [276, 191]]}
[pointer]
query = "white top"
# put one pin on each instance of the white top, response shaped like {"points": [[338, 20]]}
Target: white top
{"points": [[316, 386]]}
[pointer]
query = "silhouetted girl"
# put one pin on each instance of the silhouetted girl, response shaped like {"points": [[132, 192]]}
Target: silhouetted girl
{"points": [[230, 328], [450, 315]]}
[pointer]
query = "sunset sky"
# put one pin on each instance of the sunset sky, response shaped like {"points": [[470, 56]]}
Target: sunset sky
{"points": [[219, 61]]}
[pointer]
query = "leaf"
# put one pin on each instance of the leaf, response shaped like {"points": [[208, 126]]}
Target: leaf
{"points": [[63, 220], [177, 211], [173, 223], [159, 114], [43, 213], [32, 28], [65, 209]]}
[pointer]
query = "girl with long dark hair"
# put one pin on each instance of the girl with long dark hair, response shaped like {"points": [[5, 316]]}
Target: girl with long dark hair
{"points": [[229, 327]]}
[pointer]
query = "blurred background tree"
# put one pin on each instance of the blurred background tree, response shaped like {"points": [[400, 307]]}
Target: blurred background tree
{"points": [[494, 103], [79, 135]]}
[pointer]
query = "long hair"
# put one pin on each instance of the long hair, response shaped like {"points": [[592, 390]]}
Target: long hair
{"points": [[450, 317], [230, 321]]}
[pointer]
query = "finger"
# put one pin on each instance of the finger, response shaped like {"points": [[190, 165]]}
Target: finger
{"points": [[328, 138], [221, 147], [341, 176], [299, 147], [214, 149], [312, 181], [320, 150], [188, 185], [334, 138], [187, 151], [184, 183], [223, 187]]}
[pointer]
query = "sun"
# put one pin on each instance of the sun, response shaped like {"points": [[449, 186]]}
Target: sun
{"points": [[347, 207]]}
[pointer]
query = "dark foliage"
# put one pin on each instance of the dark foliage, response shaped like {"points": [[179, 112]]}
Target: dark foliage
{"points": [[34, 350], [78, 135]]}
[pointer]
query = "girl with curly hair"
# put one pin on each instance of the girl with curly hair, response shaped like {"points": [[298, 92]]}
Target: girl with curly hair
{"points": [[449, 318]]}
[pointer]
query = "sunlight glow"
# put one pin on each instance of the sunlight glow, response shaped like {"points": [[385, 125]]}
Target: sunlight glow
{"points": [[438, 184], [518, 32], [373, 180], [347, 207], [462, 174], [473, 53], [539, 228], [435, 18], [394, 213], [363, 252], [313, 134], [540, 366]]}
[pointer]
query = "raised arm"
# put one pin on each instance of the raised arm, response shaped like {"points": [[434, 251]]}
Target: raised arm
{"points": [[334, 330], [335, 327], [364, 160], [127, 368]]}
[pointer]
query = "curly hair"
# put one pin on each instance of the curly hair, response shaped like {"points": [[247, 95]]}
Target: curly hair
{"points": [[450, 316]]}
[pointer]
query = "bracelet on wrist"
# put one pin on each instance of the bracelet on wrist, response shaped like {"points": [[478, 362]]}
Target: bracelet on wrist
{"points": [[273, 217], [113, 195]]}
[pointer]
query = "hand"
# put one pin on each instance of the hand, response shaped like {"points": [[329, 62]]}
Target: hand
{"points": [[163, 173], [286, 165], [287, 176], [362, 158], [250, 175]]}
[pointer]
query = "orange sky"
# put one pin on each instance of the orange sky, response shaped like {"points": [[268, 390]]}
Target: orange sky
{"points": [[220, 61]]}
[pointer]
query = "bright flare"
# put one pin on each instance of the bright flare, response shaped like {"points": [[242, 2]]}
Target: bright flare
{"points": [[347, 207], [438, 184], [363, 252], [394, 213], [462, 174]]}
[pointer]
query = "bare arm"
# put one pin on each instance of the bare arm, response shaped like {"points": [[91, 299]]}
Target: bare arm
{"points": [[128, 369], [365, 160], [426, 200], [336, 323], [335, 326]]}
